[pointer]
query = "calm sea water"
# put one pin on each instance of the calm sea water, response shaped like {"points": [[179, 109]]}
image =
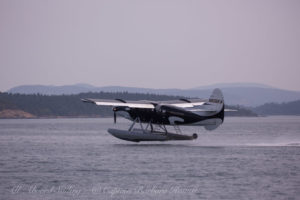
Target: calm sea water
{"points": [[245, 158]]}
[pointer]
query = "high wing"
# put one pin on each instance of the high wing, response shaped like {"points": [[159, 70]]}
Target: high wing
{"points": [[120, 102], [215, 103], [182, 103]]}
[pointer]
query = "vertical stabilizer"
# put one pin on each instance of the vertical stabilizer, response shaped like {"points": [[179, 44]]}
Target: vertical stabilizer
{"points": [[216, 96], [218, 99]]}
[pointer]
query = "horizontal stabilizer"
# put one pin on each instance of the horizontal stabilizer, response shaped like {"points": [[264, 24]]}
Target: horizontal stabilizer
{"points": [[230, 110]]}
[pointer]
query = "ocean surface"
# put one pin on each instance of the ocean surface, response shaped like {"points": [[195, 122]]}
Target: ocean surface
{"points": [[245, 158]]}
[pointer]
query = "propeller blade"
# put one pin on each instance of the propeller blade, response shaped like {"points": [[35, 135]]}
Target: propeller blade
{"points": [[115, 117]]}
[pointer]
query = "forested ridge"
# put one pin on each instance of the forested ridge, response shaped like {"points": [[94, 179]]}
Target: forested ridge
{"points": [[289, 108], [72, 106]]}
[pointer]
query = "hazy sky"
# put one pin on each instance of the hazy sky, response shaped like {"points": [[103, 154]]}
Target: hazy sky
{"points": [[149, 43]]}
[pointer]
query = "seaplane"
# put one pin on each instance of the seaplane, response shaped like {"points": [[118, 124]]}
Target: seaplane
{"points": [[153, 116]]}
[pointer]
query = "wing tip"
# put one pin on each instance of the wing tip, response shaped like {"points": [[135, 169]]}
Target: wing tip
{"points": [[88, 101], [230, 110]]}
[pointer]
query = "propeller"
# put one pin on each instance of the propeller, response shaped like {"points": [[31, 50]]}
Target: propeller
{"points": [[119, 108], [115, 115]]}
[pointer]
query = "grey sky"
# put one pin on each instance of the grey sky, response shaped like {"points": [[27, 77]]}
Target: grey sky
{"points": [[143, 43]]}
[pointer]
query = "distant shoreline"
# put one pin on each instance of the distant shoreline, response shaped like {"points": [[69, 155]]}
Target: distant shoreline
{"points": [[20, 114]]}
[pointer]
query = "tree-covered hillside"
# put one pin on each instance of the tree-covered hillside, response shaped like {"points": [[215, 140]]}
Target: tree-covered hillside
{"points": [[289, 108], [68, 105], [72, 106]]}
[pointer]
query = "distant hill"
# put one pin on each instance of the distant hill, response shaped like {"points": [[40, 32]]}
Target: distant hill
{"points": [[246, 94], [290, 108], [232, 85]]}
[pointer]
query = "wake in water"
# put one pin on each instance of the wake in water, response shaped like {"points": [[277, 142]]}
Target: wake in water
{"points": [[296, 144]]}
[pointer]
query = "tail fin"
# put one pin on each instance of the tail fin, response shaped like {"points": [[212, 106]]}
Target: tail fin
{"points": [[216, 96], [218, 99]]}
